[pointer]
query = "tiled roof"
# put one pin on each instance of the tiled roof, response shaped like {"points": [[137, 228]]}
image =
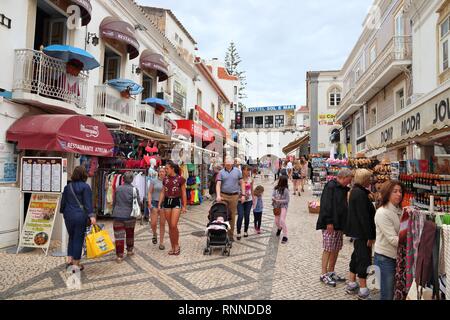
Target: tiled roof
{"points": [[223, 74], [303, 109]]}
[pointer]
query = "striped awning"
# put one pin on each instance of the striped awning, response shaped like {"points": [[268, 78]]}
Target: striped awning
{"points": [[296, 144]]}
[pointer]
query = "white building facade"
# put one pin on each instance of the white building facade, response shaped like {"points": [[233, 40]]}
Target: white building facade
{"points": [[269, 130], [324, 90]]}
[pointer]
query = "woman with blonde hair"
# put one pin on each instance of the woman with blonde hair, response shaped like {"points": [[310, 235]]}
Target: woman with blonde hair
{"points": [[360, 227]]}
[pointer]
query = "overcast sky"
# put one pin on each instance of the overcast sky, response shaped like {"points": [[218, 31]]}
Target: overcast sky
{"points": [[278, 40]]}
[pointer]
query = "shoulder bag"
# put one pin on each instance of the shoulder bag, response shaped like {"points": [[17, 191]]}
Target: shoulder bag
{"points": [[88, 222], [136, 210]]}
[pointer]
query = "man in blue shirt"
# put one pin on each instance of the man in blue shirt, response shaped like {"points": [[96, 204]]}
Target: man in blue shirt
{"points": [[229, 186]]}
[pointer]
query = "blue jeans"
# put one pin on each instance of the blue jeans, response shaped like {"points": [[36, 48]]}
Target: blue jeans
{"points": [[244, 213], [76, 228], [387, 268]]}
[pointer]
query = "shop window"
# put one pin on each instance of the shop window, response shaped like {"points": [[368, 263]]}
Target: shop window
{"points": [[259, 122], [400, 99], [248, 122], [199, 98], [372, 54], [213, 110], [334, 97], [279, 121], [444, 37], [112, 65], [147, 83], [268, 122]]}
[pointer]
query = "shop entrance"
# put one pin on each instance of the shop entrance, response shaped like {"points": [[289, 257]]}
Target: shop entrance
{"points": [[51, 26]]}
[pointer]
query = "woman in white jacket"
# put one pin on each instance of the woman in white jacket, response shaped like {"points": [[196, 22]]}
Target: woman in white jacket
{"points": [[387, 220]]}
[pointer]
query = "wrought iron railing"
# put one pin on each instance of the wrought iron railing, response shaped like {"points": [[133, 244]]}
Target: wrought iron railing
{"points": [[37, 73], [148, 119], [398, 49], [109, 103]]}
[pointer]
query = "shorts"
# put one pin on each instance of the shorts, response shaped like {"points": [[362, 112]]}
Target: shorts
{"points": [[155, 204], [333, 242], [172, 203]]}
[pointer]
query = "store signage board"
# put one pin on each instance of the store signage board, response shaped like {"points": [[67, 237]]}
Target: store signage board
{"points": [[431, 115], [43, 174], [8, 163], [276, 108], [40, 220]]}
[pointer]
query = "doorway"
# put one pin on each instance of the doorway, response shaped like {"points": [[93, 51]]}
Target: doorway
{"points": [[112, 65], [51, 26]]}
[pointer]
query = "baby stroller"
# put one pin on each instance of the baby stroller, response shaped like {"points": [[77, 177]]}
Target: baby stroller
{"points": [[217, 229]]}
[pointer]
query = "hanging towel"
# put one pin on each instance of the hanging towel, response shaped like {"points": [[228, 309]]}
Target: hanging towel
{"points": [[424, 266]]}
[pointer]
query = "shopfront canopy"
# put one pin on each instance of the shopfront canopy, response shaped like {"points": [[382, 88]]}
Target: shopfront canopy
{"points": [[189, 128], [86, 10], [121, 31], [151, 60], [296, 144], [63, 133]]}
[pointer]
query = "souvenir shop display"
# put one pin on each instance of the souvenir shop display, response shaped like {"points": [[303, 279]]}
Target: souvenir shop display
{"points": [[193, 183], [422, 258], [314, 207], [334, 166], [319, 175], [427, 189], [105, 185]]}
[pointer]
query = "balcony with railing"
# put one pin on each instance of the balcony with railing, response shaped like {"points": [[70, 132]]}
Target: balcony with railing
{"points": [[42, 81], [148, 119], [387, 66], [110, 107]]}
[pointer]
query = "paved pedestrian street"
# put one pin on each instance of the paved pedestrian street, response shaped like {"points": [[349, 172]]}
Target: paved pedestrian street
{"points": [[259, 267]]}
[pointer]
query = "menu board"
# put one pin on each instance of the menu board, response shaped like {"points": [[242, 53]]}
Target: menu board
{"points": [[42, 174], [38, 227]]}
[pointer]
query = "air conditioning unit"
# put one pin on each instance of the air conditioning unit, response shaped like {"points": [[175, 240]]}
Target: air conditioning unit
{"points": [[194, 115]]}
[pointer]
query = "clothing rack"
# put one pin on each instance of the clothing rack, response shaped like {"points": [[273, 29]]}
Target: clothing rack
{"points": [[124, 170]]}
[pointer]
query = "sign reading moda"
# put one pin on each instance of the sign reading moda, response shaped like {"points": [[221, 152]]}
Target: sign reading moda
{"points": [[433, 114], [275, 108]]}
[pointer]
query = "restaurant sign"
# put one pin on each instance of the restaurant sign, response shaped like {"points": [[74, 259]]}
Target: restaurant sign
{"points": [[431, 115]]}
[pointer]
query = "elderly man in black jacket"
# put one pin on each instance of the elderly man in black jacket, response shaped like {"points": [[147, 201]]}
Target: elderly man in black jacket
{"points": [[332, 220]]}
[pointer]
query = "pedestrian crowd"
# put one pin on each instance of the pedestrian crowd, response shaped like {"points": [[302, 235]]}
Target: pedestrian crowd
{"points": [[373, 227]]}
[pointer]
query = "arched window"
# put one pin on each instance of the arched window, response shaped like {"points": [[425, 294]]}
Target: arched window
{"points": [[334, 96]]}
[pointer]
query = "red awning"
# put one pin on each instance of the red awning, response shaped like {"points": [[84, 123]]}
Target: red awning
{"points": [[150, 60], [210, 121], [64, 133], [116, 29], [189, 128], [86, 10]]}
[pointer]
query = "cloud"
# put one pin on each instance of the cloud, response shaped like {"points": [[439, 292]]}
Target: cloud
{"points": [[278, 41]]}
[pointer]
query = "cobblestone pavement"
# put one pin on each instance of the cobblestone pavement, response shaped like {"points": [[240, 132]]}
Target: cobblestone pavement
{"points": [[259, 266]]}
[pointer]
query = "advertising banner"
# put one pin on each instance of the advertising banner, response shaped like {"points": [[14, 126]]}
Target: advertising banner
{"points": [[39, 222]]}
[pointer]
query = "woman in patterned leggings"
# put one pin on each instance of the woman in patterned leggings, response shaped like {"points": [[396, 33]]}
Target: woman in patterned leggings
{"points": [[124, 224]]}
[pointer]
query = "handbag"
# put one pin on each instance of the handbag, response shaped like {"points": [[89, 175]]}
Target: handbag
{"points": [[88, 222], [98, 243], [136, 210], [277, 211]]}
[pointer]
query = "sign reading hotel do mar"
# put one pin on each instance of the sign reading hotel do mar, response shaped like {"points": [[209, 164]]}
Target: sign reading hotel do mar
{"points": [[38, 227], [433, 114]]}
